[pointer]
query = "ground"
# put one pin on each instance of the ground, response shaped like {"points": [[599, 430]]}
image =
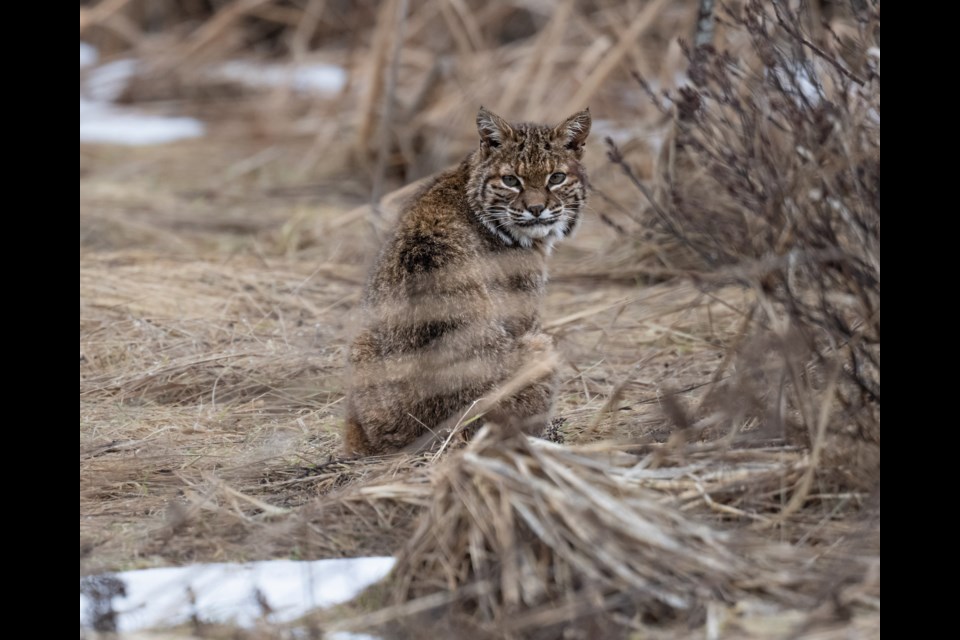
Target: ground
{"points": [[214, 315], [219, 285]]}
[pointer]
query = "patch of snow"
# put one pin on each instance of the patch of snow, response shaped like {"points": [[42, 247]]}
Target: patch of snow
{"points": [[800, 81], [88, 107], [613, 130], [101, 121], [312, 78], [621, 134], [106, 82], [347, 635], [88, 55], [105, 124], [233, 593]]}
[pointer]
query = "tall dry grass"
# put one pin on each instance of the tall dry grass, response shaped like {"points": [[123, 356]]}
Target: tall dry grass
{"points": [[417, 71]]}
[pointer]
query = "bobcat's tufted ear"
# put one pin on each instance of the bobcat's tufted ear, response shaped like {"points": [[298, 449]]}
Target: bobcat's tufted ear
{"points": [[493, 129], [574, 130]]}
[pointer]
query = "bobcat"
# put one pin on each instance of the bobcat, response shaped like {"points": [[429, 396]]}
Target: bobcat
{"points": [[451, 306]]}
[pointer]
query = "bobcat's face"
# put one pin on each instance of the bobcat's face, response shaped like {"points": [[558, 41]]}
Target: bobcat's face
{"points": [[527, 182]]}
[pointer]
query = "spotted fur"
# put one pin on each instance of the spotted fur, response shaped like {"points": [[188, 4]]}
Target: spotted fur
{"points": [[452, 304]]}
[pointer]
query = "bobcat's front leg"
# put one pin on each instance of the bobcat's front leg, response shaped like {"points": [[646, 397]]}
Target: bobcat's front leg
{"points": [[530, 408]]}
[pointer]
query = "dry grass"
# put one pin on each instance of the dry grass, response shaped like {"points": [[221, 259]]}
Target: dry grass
{"points": [[407, 115], [219, 281], [211, 377], [531, 534]]}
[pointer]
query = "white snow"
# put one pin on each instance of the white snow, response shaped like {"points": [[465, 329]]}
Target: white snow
{"points": [[112, 126], [101, 86], [622, 134], [106, 82], [800, 79], [102, 121], [88, 55], [312, 78], [613, 130], [228, 593]]}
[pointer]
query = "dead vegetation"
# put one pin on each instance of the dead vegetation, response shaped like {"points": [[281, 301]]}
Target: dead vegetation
{"points": [[771, 179], [720, 467], [407, 108]]}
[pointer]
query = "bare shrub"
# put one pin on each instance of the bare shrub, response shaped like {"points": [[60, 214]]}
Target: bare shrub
{"points": [[771, 179]]}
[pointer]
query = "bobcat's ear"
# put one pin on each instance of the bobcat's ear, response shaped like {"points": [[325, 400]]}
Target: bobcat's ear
{"points": [[493, 129], [574, 130]]}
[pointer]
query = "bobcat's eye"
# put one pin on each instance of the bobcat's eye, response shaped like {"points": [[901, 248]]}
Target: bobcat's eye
{"points": [[511, 181], [557, 178]]}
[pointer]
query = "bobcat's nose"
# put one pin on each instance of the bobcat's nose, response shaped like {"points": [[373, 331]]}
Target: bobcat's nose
{"points": [[535, 209]]}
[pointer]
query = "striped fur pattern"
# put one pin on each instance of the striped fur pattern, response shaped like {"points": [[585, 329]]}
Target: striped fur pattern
{"points": [[452, 304], [528, 183]]}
